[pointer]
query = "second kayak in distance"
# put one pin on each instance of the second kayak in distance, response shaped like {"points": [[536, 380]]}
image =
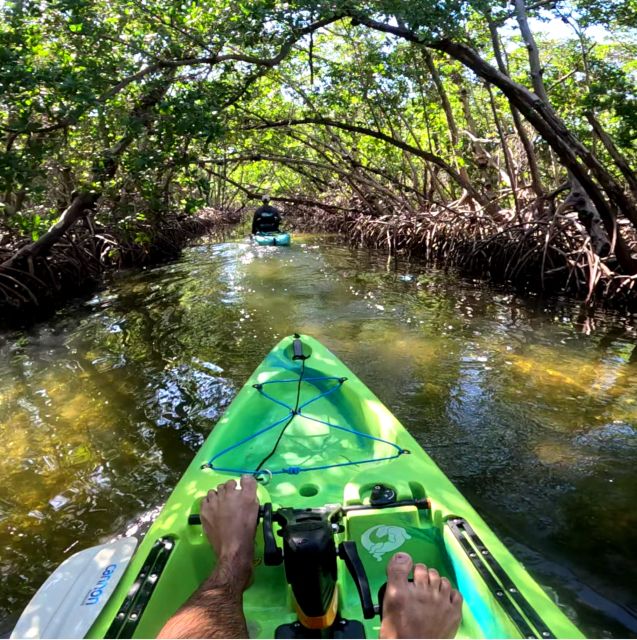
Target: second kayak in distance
{"points": [[335, 467], [272, 238]]}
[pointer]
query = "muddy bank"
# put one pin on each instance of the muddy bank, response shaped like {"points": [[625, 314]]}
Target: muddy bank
{"points": [[551, 255], [75, 266]]}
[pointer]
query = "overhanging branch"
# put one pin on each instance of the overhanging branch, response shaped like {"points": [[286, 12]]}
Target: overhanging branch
{"points": [[379, 135]]}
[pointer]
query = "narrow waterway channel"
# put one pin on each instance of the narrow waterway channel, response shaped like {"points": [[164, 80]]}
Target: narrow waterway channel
{"points": [[529, 409]]}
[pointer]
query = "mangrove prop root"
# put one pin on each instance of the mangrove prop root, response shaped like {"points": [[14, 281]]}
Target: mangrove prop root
{"points": [[551, 254], [78, 261]]}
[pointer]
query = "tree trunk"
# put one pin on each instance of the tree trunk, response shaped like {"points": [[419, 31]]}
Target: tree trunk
{"points": [[536, 180], [444, 99], [81, 203], [534, 55], [486, 164], [588, 216], [615, 154], [508, 159]]}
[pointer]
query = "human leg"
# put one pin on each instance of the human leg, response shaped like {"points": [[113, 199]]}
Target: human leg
{"points": [[229, 519]]}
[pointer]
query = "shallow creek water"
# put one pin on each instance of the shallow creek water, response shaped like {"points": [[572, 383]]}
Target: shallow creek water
{"points": [[530, 409]]}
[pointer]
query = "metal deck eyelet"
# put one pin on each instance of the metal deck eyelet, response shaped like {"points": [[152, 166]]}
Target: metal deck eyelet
{"points": [[263, 476]]}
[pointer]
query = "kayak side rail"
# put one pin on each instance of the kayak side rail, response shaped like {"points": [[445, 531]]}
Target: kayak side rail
{"points": [[139, 595], [500, 585]]}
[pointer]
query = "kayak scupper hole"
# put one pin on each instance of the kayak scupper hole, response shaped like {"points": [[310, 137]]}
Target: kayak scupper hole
{"points": [[308, 490]]}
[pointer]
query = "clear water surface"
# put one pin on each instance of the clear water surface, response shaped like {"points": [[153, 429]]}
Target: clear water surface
{"points": [[529, 407]]}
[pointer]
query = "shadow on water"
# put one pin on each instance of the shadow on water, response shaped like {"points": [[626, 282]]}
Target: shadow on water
{"points": [[530, 408]]}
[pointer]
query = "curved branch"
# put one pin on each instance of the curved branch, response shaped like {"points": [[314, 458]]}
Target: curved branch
{"points": [[294, 163], [379, 135], [302, 201], [287, 160]]}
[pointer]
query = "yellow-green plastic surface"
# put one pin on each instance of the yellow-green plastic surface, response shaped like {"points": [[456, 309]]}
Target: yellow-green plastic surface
{"points": [[306, 443]]}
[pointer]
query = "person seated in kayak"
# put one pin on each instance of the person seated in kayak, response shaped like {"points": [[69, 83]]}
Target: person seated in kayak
{"points": [[428, 607], [267, 218]]}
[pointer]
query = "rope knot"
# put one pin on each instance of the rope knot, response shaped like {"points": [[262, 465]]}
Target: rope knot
{"points": [[294, 471]]}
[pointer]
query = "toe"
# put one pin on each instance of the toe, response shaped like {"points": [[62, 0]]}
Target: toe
{"points": [[456, 597], [398, 570], [421, 575], [434, 578], [249, 484], [445, 587], [230, 485]]}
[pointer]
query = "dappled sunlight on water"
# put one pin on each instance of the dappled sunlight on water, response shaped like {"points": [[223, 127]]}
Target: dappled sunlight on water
{"points": [[527, 406]]}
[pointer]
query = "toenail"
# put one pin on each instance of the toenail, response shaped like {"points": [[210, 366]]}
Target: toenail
{"points": [[401, 557]]}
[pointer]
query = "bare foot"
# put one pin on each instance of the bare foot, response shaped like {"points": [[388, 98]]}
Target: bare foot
{"points": [[229, 519], [215, 610], [428, 607]]}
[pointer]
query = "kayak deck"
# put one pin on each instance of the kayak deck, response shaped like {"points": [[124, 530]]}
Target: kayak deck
{"points": [[340, 443]]}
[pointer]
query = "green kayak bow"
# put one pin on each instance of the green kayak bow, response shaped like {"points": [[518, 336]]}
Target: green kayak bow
{"points": [[338, 471]]}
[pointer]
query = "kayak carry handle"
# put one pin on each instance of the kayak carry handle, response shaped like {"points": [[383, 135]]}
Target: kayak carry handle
{"points": [[348, 552], [297, 347]]}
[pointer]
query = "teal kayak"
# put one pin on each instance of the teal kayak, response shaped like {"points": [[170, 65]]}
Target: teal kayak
{"points": [[334, 466], [272, 239]]}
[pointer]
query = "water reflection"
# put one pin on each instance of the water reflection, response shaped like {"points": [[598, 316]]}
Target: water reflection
{"points": [[530, 408]]}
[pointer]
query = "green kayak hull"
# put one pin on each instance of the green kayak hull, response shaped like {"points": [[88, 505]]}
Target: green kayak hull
{"points": [[272, 239], [341, 444]]}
